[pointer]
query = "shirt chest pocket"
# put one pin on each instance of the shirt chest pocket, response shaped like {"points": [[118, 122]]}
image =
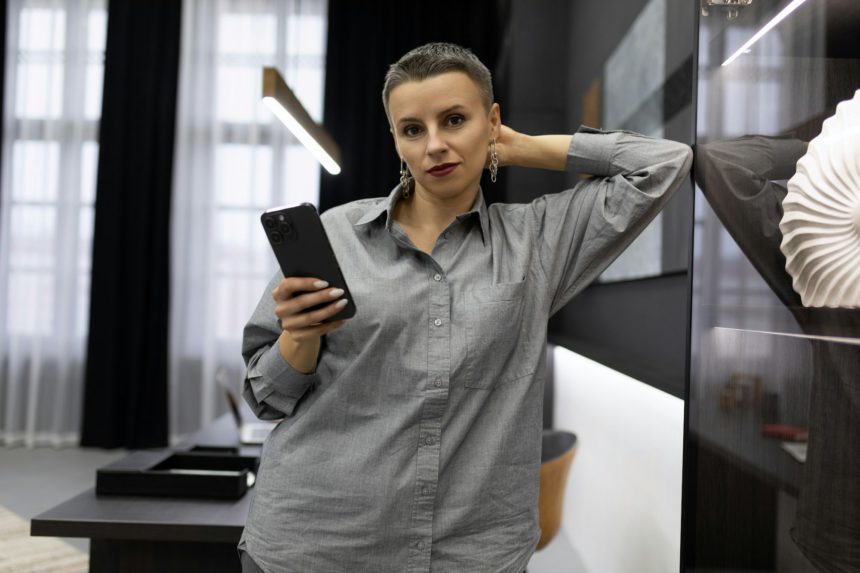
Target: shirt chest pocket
{"points": [[498, 348]]}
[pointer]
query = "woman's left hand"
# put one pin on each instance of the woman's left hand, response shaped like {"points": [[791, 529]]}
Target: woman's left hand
{"points": [[541, 151], [506, 146]]}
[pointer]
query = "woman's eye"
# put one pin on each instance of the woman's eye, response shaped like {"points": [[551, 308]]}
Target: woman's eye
{"points": [[456, 120], [411, 130]]}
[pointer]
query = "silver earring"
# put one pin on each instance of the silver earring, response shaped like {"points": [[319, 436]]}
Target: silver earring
{"points": [[405, 180], [494, 161]]}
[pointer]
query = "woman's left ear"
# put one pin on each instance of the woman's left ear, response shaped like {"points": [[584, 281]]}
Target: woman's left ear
{"points": [[495, 120]]}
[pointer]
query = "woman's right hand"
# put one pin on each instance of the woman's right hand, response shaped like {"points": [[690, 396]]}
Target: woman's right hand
{"points": [[294, 295]]}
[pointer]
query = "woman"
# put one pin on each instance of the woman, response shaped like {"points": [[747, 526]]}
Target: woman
{"points": [[411, 435]]}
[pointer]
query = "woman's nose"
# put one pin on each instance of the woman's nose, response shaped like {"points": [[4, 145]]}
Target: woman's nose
{"points": [[435, 141]]}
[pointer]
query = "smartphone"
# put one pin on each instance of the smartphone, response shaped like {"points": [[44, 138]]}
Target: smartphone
{"points": [[302, 248]]}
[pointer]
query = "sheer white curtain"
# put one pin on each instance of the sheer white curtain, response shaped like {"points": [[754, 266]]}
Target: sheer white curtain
{"points": [[233, 160], [54, 69]]}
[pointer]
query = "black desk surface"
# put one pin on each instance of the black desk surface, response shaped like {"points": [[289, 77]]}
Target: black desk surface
{"points": [[154, 518]]}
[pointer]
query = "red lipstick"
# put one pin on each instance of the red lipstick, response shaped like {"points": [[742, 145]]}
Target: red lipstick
{"points": [[442, 169]]}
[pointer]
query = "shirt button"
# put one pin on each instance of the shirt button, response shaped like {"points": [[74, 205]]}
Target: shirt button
{"points": [[425, 490], [438, 382], [428, 440], [437, 277], [438, 322], [421, 545]]}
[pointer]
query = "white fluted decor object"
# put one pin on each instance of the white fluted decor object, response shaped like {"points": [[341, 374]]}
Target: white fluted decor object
{"points": [[821, 221]]}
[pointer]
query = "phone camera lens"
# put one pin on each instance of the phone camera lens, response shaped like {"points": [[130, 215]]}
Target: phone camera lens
{"points": [[285, 228], [269, 223], [277, 238]]}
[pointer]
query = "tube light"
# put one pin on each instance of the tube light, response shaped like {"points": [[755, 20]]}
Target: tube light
{"points": [[287, 107], [794, 5]]}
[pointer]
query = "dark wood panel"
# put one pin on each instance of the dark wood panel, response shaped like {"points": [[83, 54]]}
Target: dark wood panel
{"points": [[164, 557], [736, 523]]}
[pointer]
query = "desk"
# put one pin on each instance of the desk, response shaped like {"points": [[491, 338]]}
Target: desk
{"points": [[137, 534], [736, 436]]}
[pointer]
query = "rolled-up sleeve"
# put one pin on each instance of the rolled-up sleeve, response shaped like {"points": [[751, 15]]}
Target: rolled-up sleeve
{"points": [[583, 229], [272, 387]]}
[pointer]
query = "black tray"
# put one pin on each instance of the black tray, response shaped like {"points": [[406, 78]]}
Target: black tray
{"points": [[178, 474]]}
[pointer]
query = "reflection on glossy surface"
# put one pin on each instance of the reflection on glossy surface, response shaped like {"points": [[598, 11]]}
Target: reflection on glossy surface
{"points": [[774, 450], [821, 223], [740, 180]]}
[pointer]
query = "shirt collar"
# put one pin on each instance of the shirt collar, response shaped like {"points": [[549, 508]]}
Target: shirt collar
{"points": [[479, 208]]}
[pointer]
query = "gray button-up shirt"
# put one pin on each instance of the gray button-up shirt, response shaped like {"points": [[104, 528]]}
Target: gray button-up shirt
{"points": [[415, 445]]}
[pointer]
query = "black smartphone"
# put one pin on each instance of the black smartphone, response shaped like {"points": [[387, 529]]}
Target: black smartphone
{"points": [[302, 248]]}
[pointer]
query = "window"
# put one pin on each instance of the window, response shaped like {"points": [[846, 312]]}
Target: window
{"points": [[233, 161], [54, 71]]}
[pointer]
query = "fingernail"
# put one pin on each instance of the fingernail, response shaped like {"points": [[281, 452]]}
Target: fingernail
{"points": [[341, 303], [335, 292], [320, 284]]}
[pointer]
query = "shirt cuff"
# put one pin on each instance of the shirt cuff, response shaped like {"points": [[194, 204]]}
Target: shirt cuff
{"points": [[278, 384], [591, 151]]}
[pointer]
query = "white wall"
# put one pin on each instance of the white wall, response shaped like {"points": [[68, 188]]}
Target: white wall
{"points": [[622, 509]]}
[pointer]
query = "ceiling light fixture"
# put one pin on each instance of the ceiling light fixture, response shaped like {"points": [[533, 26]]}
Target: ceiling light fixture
{"points": [[794, 5], [287, 107]]}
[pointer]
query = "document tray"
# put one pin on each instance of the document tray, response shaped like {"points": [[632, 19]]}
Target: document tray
{"points": [[178, 474]]}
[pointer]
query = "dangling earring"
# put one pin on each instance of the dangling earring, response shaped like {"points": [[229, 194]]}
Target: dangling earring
{"points": [[494, 161], [405, 179]]}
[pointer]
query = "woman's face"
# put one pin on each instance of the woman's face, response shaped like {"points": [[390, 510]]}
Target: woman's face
{"points": [[442, 130]]}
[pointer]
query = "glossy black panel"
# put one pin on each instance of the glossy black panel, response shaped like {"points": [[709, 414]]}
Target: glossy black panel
{"points": [[629, 64], [772, 459]]}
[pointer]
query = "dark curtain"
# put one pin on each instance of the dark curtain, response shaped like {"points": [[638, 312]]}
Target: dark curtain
{"points": [[125, 403], [364, 38]]}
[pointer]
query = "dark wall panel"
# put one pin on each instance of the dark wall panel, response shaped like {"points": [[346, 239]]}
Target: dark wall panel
{"points": [[636, 327], [556, 58]]}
